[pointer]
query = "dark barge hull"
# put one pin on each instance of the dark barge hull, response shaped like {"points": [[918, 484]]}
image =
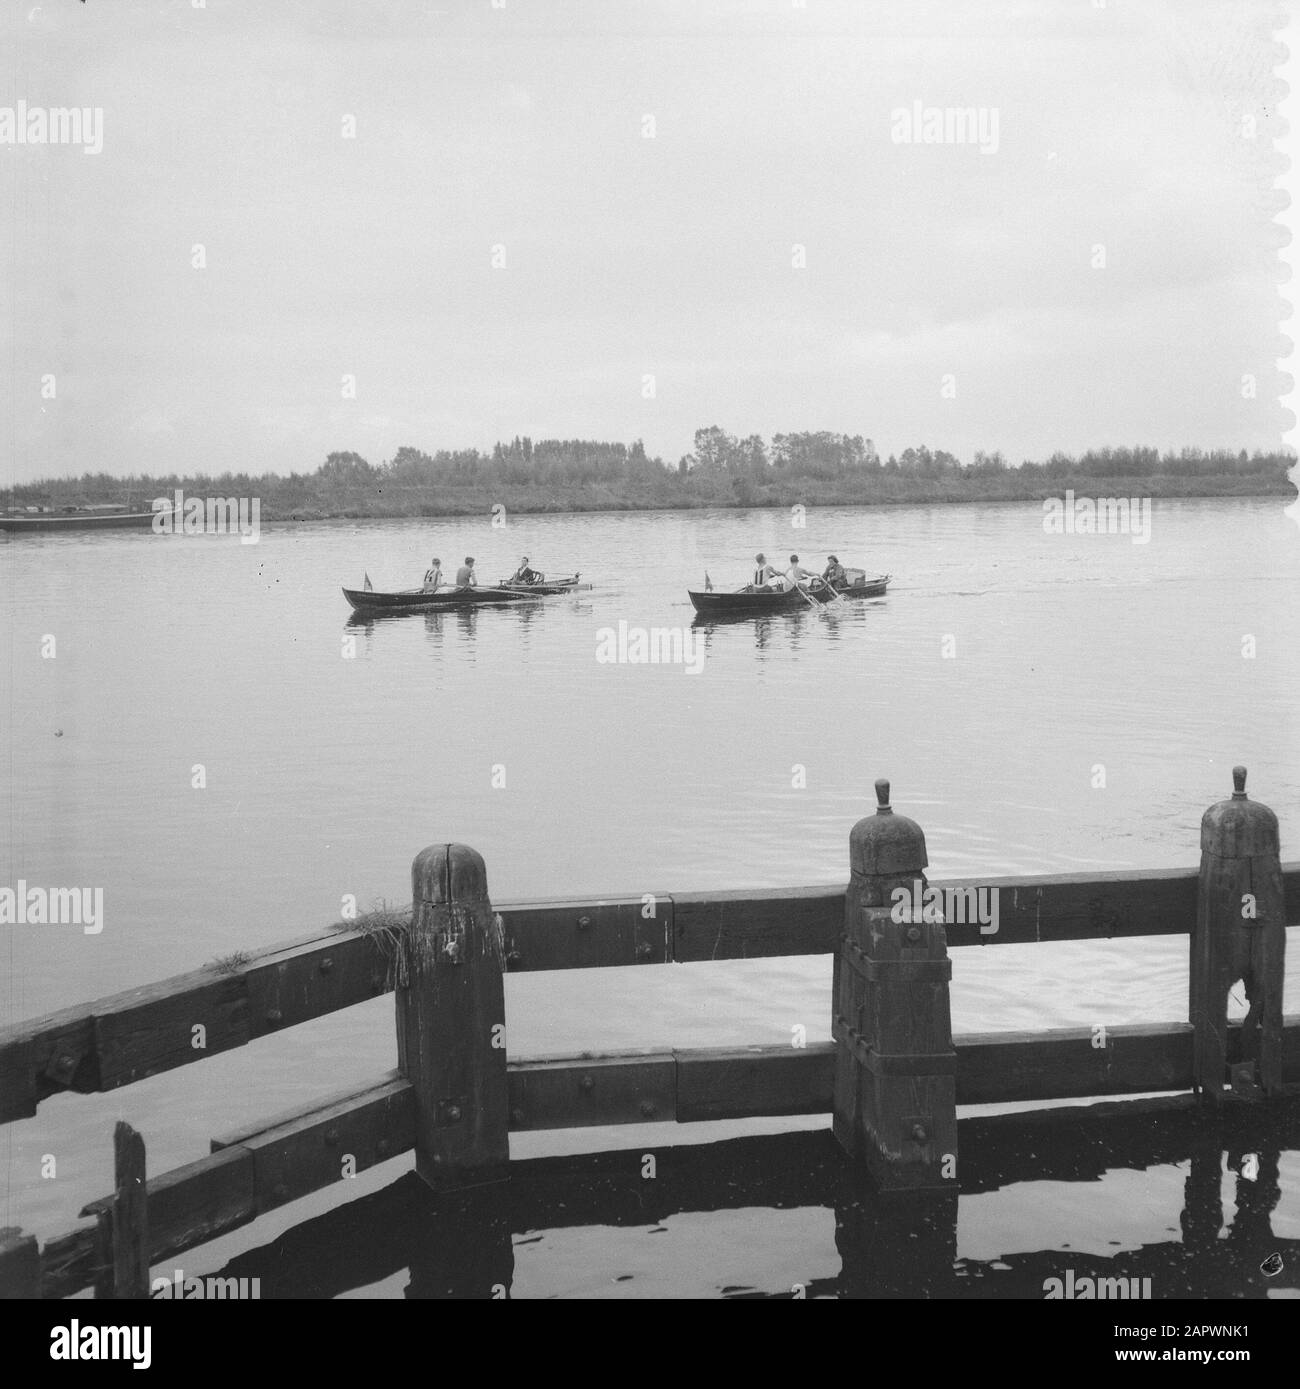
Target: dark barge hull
{"points": [[753, 604], [75, 521]]}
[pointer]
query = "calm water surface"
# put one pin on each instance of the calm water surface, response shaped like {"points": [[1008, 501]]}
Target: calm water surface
{"points": [[325, 775]]}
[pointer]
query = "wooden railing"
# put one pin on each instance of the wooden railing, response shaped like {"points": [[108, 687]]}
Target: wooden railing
{"points": [[129, 1036], [143, 1032]]}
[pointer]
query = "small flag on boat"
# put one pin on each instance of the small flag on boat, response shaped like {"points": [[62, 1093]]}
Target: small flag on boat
{"points": [[369, 588], [708, 582]]}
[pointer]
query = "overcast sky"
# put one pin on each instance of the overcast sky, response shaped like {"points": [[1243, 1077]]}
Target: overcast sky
{"points": [[523, 127]]}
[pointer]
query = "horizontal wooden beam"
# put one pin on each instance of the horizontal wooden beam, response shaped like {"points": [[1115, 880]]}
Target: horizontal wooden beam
{"points": [[141, 1032], [751, 925], [254, 1170], [588, 934]]}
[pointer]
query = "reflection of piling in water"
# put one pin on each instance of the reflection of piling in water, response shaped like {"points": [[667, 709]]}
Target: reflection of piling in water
{"points": [[895, 1244], [460, 1246]]}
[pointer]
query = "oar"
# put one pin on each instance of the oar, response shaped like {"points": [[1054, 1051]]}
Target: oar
{"points": [[813, 603], [531, 591]]}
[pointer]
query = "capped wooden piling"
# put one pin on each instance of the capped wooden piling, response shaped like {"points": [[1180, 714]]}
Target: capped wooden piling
{"points": [[451, 1021], [895, 1067], [1240, 935]]}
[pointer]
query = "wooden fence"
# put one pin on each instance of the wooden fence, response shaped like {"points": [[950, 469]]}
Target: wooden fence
{"points": [[455, 1094]]}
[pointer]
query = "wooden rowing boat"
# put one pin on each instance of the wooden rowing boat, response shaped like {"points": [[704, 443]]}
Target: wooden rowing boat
{"points": [[750, 602], [414, 600]]}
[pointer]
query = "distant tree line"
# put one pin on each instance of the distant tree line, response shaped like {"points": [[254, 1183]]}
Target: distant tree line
{"points": [[816, 468]]}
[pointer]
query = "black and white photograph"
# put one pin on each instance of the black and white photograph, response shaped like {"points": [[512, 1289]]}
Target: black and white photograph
{"points": [[650, 653]]}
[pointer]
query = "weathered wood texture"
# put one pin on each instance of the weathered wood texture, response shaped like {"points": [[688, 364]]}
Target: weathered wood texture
{"points": [[1240, 934], [130, 1218], [20, 1265], [751, 925], [588, 935], [126, 1037], [70, 1262], [451, 1020], [638, 1087], [745, 1082], [895, 1094]]}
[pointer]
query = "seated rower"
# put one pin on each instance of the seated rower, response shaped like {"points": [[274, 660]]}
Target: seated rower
{"points": [[835, 574], [433, 576], [797, 574], [465, 576], [525, 575], [765, 575]]}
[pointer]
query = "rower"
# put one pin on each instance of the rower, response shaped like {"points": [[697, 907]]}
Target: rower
{"points": [[433, 576], [764, 572], [465, 576], [524, 575], [797, 574], [835, 574]]}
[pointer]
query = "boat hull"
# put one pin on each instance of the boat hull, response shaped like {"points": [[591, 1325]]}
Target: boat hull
{"points": [[416, 600], [752, 604], [75, 521]]}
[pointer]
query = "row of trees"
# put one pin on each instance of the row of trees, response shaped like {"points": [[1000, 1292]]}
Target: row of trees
{"points": [[563, 474]]}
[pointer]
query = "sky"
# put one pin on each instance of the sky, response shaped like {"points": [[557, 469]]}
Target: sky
{"points": [[438, 224]]}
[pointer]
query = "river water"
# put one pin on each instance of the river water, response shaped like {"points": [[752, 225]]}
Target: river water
{"points": [[1040, 702]]}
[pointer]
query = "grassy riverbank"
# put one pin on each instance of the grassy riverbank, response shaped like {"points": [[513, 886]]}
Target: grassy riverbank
{"points": [[579, 475]]}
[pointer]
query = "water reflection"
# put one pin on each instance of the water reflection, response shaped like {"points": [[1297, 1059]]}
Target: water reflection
{"points": [[883, 1246], [438, 622]]}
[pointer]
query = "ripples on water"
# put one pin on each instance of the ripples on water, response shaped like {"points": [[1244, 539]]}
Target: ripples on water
{"points": [[326, 775]]}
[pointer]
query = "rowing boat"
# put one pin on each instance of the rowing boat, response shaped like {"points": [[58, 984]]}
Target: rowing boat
{"points": [[414, 600], [750, 602]]}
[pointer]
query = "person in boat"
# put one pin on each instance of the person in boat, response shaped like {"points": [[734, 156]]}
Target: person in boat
{"points": [[835, 574], [798, 576], [765, 575], [525, 575], [465, 576], [433, 576]]}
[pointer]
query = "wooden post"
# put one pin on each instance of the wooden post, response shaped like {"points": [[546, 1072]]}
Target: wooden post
{"points": [[1240, 935], [20, 1265], [130, 1215], [451, 1022], [895, 1068]]}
